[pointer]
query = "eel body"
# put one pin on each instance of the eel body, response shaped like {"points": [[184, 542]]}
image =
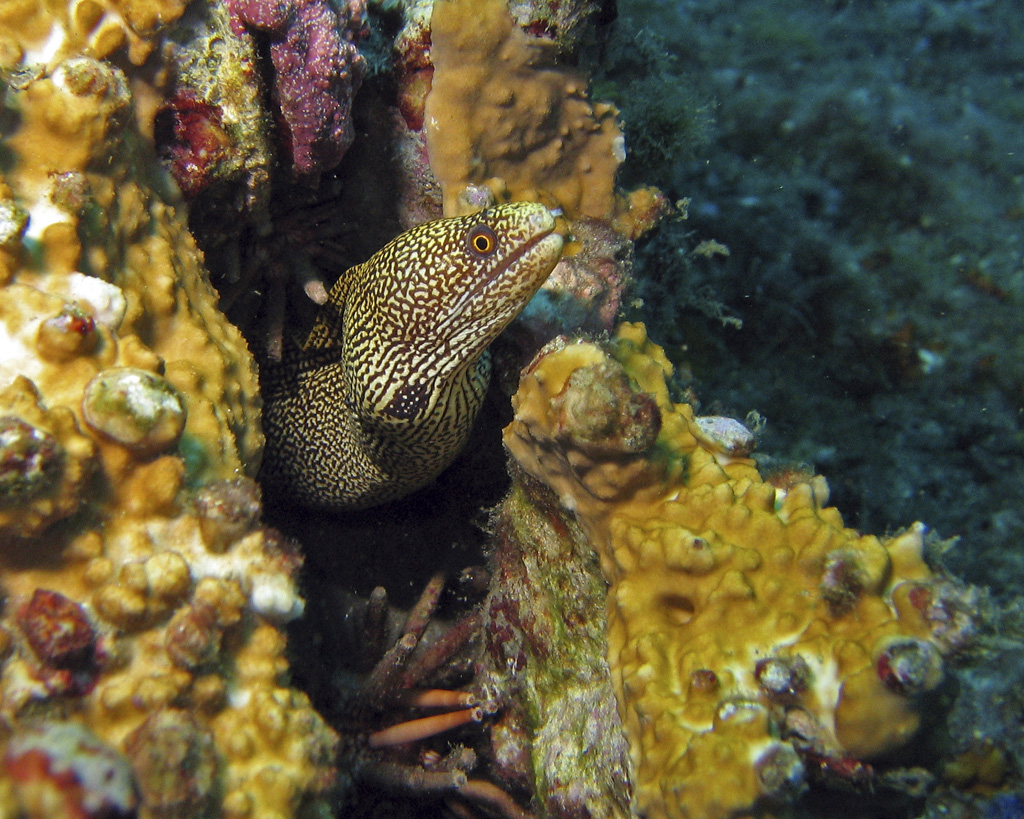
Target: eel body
{"points": [[382, 395]]}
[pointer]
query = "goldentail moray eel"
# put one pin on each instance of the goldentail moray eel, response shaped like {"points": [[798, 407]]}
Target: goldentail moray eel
{"points": [[382, 395]]}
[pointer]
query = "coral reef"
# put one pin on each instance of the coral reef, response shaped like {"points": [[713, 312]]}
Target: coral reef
{"points": [[45, 459], [142, 669], [63, 769], [251, 111], [584, 292], [750, 633], [751, 648], [490, 108], [103, 237], [565, 22]]}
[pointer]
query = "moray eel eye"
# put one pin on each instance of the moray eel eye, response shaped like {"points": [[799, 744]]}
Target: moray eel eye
{"points": [[482, 240]]}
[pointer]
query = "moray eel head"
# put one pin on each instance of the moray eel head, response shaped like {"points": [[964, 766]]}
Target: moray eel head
{"points": [[430, 302], [383, 394]]}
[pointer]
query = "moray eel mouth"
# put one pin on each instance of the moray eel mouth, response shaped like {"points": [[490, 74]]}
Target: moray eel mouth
{"points": [[543, 225], [501, 295]]}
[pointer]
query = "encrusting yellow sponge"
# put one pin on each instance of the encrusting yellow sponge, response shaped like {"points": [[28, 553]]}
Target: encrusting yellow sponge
{"points": [[502, 113], [749, 630]]}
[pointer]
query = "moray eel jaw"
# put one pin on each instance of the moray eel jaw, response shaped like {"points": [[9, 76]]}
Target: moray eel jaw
{"points": [[383, 394], [435, 303], [476, 316]]}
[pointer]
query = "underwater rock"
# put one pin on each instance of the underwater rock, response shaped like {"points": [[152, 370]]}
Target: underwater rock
{"points": [[559, 736]]}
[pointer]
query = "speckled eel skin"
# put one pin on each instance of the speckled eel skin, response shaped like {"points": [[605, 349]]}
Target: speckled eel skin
{"points": [[382, 395]]}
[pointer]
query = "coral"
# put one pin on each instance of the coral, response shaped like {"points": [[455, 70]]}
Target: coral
{"points": [[209, 119], [63, 770], [63, 642], [501, 112], [584, 292], [849, 301], [413, 68], [486, 112], [481, 87], [227, 510], [37, 32], [143, 603], [45, 462], [173, 653], [254, 97], [731, 645], [195, 141], [566, 22], [67, 335], [419, 195], [175, 763], [108, 278], [317, 71], [135, 408], [30, 458]]}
